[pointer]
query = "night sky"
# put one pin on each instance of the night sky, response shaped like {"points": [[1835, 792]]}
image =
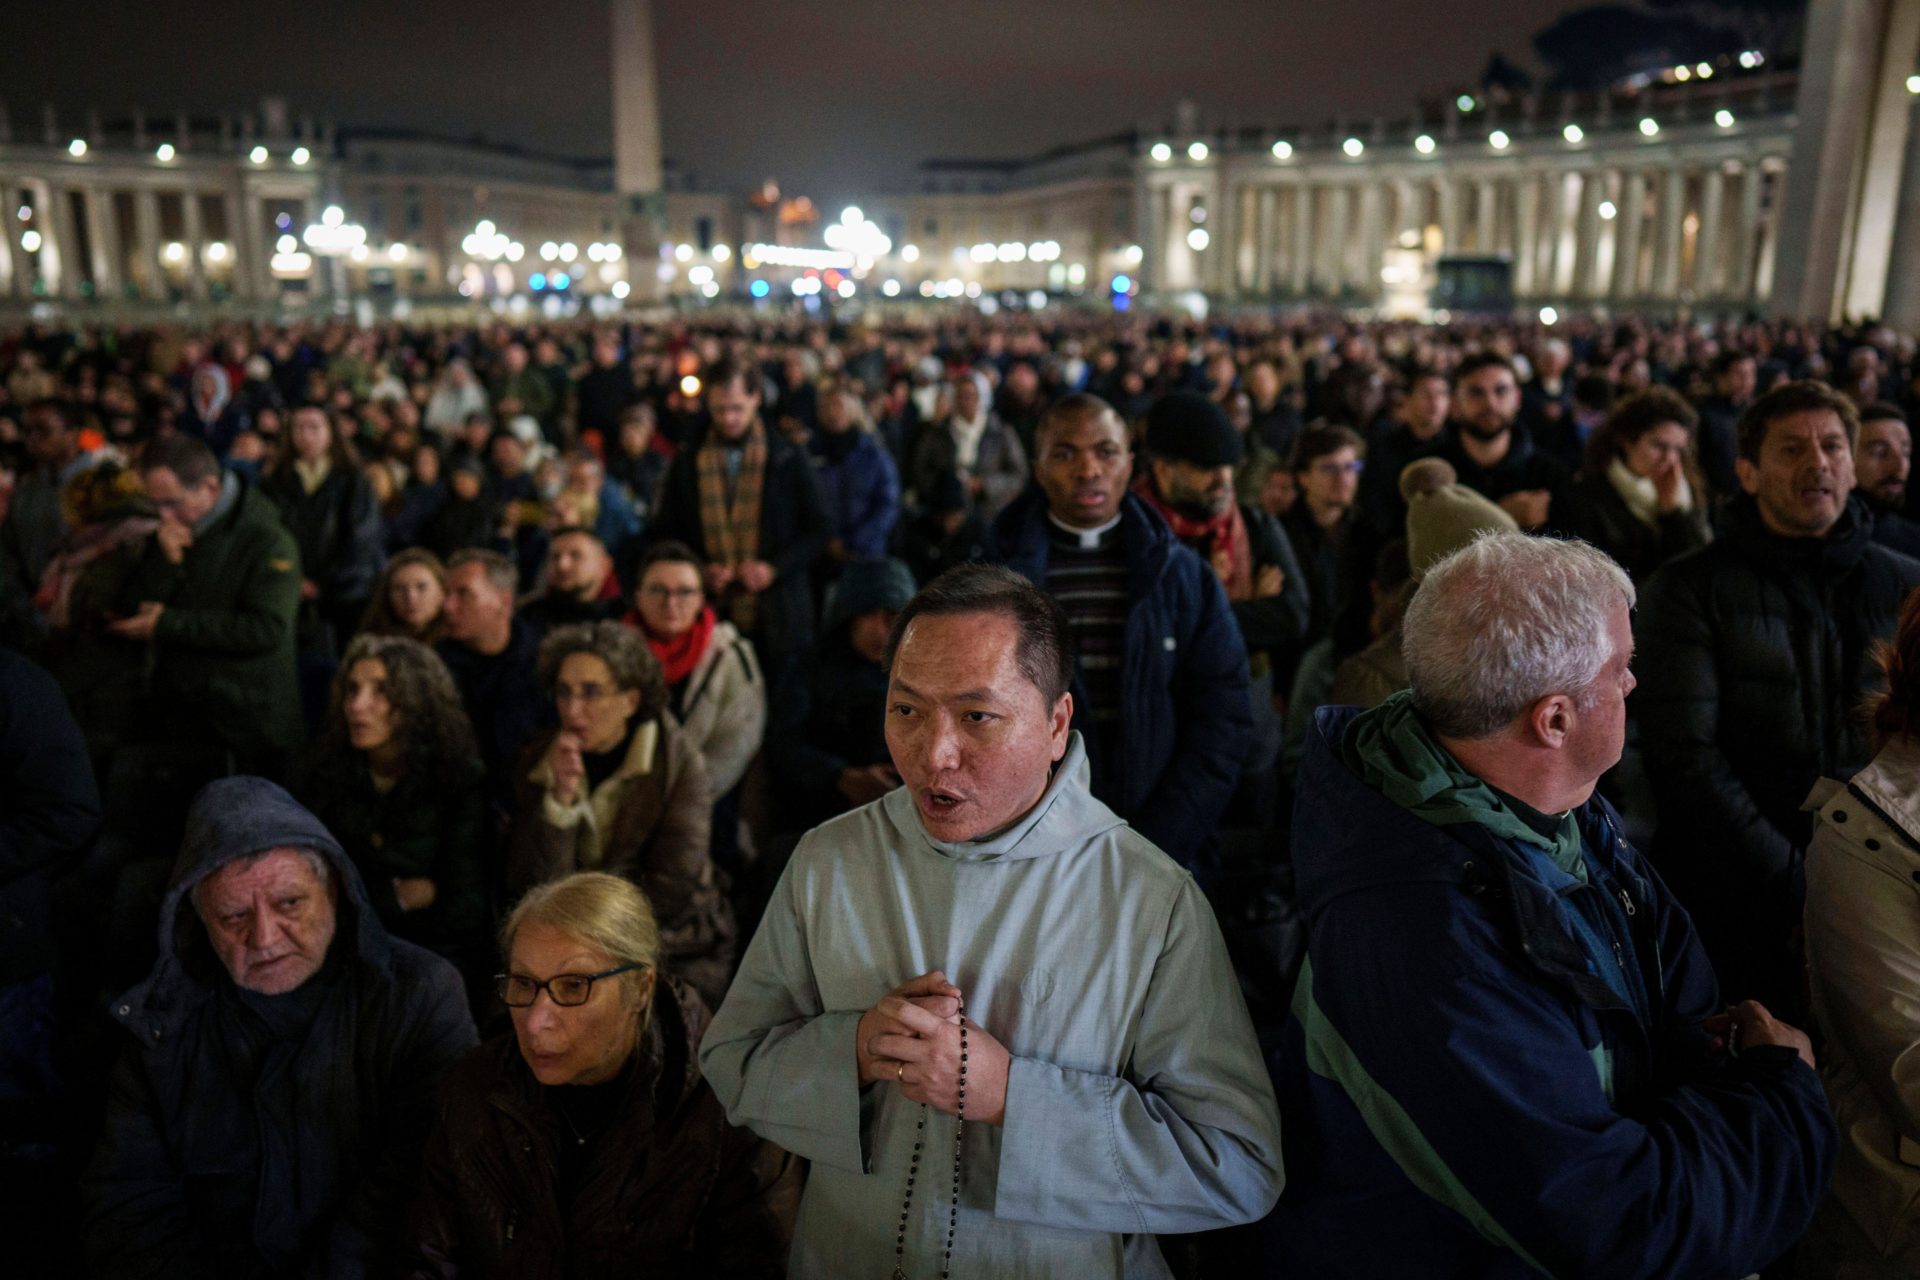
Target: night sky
{"points": [[837, 99]]}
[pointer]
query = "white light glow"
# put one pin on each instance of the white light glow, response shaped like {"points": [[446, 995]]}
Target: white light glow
{"points": [[1498, 140], [1198, 239], [1424, 145], [1549, 316], [891, 288], [172, 251], [681, 253], [1573, 133], [846, 288], [1197, 151], [286, 244], [549, 251], [712, 290], [689, 386], [30, 240], [595, 252], [77, 148], [1283, 150], [620, 289], [332, 216], [258, 155], [301, 155], [1160, 152], [217, 251], [1704, 70], [1608, 210], [569, 251], [1353, 147], [164, 152], [611, 252], [1723, 118], [721, 253], [1649, 127], [780, 255], [396, 253], [298, 264], [700, 274], [909, 253]]}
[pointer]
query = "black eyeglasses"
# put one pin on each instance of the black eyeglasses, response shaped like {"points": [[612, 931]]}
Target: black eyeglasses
{"points": [[568, 990]]}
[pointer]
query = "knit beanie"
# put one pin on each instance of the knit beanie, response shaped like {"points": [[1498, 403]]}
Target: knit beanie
{"points": [[1443, 515], [1188, 427]]}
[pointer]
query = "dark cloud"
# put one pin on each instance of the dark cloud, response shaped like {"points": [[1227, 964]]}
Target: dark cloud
{"points": [[840, 99]]}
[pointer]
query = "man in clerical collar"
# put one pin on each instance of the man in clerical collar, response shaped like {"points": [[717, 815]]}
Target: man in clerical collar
{"points": [[1000, 1023]]}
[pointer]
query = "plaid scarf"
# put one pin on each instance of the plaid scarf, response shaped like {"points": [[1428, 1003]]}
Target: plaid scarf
{"points": [[732, 529], [1229, 548]]}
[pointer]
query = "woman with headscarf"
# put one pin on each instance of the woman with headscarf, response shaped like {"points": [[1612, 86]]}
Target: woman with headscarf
{"points": [[457, 395]]}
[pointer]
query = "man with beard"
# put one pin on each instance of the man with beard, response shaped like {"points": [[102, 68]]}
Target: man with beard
{"points": [[1733, 376], [1880, 465], [1756, 652], [1489, 454], [1192, 448]]}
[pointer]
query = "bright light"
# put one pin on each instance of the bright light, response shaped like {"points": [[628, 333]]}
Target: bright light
{"points": [[846, 288], [1608, 210], [301, 155], [779, 255], [891, 288], [484, 228], [1683, 73], [1573, 133], [1465, 102], [720, 252], [689, 386], [1198, 239], [982, 252], [802, 287], [1353, 147], [1913, 84], [955, 286], [516, 251], [1704, 70], [332, 216], [298, 264], [1749, 59], [164, 152], [700, 274], [30, 241], [973, 289], [1723, 118], [537, 281], [77, 148], [549, 251], [851, 216], [926, 288], [1037, 300], [1196, 151], [681, 253], [759, 288], [1122, 284], [1077, 273], [1649, 126], [217, 251], [620, 289], [1423, 144], [396, 253], [1012, 251], [258, 155], [611, 252], [569, 251], [1549, 316], [1498, 140], [1283, 150], [174, 251], [1133, 255], [909, 253], [595, 252], [286, 244], [712, 290], [358, 253], [1160, 152]]}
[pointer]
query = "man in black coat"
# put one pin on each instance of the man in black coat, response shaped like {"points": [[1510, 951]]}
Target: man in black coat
{"points": [[746, 499], [269, 1114], [1756, 652], [491, 654], [1881, 462], [1491, 453]]}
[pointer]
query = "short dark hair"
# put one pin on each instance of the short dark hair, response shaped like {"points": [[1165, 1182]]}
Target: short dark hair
{"points": [[500, 570], [1881, 411], [669, 552], [1319, 440], [187, 457], [1081, 404], [729, 371], [1805, 396], [1725, 361], [1044, 655], [1483, 360], [629, 660]]}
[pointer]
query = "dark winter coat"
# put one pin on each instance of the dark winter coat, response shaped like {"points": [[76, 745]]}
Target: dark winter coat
{"points": [[1597, 513], [1464, 1098], [337, 528], [223, 650], [231, 1151], [670, 1189], [1184, 710], [503, 698], [650, 823], [794, 529], [861, 490], [1755, 653], [49, 810]]}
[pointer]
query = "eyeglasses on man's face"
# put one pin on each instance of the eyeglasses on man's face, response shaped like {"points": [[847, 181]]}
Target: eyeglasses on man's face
{"points": [[568, 990], [1353, 468]]}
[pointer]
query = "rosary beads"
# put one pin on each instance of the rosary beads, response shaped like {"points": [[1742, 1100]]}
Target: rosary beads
{"points": [[913, 1169]]}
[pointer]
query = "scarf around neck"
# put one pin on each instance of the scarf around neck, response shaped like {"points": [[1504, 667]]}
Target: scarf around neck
{"points": [[1641, 495], [731, 529], [680, 655], [1229, 549]]}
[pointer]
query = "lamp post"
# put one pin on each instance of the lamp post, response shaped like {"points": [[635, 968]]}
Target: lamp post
{"points": [[333, 238]]}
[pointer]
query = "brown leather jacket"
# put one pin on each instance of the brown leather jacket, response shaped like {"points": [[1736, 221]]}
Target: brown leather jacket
{"points": [[649, 823], [670, 1190]]}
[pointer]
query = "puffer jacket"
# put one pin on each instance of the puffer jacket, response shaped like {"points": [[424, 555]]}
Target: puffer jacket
{"points": [[650, 823], [671, 1189], [723, 708], [1863, 948], [1754, 655], [338, 528], [301, 1166]]}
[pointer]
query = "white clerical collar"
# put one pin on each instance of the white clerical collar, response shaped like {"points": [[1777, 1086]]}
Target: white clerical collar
{"points": [[1089, 539]]}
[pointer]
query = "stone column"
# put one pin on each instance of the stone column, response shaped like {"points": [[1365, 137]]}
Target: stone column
{"points": [[1269, 230], [1707, 276], [11, 283], [1745, 239], [62, 266], [1486, 216], [637, 170], [1586, 232], [1526, 237], [103, 238], [1849, 146], [1333, 240], [1299, 266], [1450, 245], [194, 238], [1903, 280], [146, 240], [1626, 237], [1668, 216]]}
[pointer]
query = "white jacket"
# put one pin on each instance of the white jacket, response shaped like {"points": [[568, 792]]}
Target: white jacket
{"points": [[1863, 948], [724, 710]]}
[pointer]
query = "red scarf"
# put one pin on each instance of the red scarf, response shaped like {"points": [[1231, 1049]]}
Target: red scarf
{"points": [[1229, 550], [679, 656]]}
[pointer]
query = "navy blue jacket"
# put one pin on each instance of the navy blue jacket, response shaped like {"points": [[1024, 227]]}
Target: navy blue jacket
{"points": [[1186, 720], [861, 489], [1465, 1098]]}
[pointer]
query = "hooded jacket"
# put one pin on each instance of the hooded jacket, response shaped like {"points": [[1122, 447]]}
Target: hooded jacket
{"points": [[1136, 1102], [253, 1136], [1754, 653], [669, 1189], [1863, 954], [1468, 1094], [1183, 685]]}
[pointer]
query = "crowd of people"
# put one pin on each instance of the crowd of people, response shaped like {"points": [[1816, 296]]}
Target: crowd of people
{"points": [[535, 800]]}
